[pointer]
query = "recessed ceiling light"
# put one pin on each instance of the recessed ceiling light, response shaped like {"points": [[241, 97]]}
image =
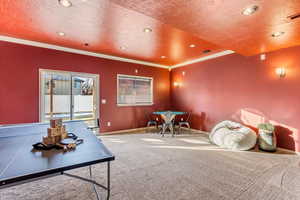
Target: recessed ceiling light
{"points": [[163, 57], [147, 30], [61, 33], [192, 45], [250, 10], [277, 34], [65, 3], [122, 47]]}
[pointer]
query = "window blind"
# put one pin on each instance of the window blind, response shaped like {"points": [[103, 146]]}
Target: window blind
{"points": [[133, 90]]}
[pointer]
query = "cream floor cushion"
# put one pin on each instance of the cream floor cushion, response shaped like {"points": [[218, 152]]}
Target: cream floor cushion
{"points": [[233, 135]]}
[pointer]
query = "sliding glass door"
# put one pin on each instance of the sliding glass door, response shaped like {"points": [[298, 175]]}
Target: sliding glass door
{"points": [[68, 95], [56, 95]]}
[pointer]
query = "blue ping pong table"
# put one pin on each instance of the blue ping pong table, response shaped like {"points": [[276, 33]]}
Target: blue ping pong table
{"points": [[20, 163]]}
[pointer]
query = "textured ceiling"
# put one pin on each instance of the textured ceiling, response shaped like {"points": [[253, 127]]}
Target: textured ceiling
{"points": [[104, 26], [221, 21]]}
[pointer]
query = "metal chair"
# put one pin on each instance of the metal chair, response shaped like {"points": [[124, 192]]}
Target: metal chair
{"points": [[95, 126], [184, 123], [151, 122]]}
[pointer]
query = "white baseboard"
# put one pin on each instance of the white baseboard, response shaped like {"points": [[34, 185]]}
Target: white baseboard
{"points": [[288, 151], [143, 129]]}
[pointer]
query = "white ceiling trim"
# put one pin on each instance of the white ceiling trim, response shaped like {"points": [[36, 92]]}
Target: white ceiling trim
{"points": [[99, 55], [77, 51], [212, 56]]}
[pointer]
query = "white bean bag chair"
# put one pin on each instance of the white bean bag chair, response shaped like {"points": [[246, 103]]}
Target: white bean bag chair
{"points": [[233, 135]]}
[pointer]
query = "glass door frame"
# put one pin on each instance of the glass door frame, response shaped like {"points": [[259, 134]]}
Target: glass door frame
{"points": [[71, 74]]}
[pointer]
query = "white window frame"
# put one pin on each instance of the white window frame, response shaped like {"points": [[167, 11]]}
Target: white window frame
{"points": [[133, 77], [41, 89]]}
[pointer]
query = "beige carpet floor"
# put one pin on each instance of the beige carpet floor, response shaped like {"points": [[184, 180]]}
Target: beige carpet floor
{"points": [[187, 167]]}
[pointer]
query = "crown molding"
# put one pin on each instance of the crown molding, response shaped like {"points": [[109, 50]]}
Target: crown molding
{"points": [[110, 57], [212, 56], [77, 51]]}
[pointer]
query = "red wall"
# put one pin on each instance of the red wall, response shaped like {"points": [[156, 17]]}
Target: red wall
{"points": [[243, 89], [234, 87], [19, 84]]}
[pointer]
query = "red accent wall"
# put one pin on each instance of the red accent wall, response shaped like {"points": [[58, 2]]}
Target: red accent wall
{"points": [[243, 89], [19, 84]]}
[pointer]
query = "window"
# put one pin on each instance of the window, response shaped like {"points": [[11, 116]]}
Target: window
{"points": [[68, 95], [134, 90]]}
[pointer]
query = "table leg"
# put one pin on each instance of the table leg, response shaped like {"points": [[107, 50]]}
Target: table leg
{"points": [[164, 129], [93, 182], [108, 180], [94, 187], [171, 129]]}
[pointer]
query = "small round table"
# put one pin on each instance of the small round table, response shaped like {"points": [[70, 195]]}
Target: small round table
{"points": [[168, 117]]}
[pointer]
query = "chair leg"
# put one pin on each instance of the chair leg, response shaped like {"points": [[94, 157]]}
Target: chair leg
{"points": [[159, 130], [148, 125], [183, 125], [156, 126]]}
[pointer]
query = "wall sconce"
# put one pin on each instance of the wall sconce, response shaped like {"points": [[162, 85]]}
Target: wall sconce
{"points": [[280, 71], [177, 84], [262, 56]]}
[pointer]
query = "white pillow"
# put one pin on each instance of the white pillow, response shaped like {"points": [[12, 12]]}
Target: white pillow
{"points": [[233, 135]]}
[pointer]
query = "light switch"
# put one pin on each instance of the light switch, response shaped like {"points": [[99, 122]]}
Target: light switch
{"points": [[103, 101], [108, 124]]}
